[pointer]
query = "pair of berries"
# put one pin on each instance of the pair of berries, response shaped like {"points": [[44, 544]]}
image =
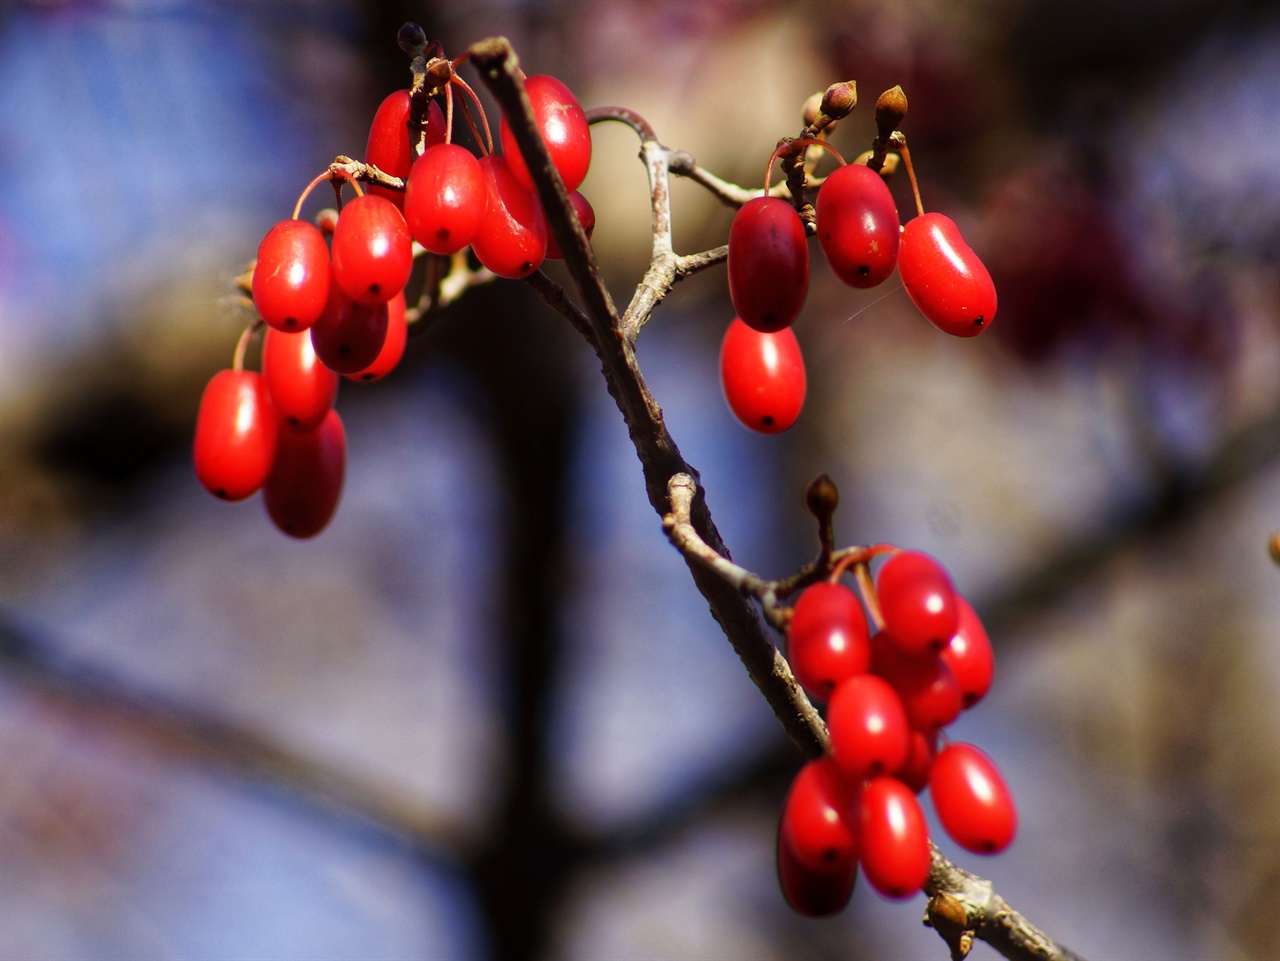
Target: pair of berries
{"points": [[889, 695]]}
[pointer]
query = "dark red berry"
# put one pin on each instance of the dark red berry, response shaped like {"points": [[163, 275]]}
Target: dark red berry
{"points": [[236, 434], [857, 225], [762, 376], [929, 691], [291, 275], [563, 125], [768, 263], [893, 838], [392, 347], [372, 250], [586, 216], [349, 335], [945, 278], [512, 240], [920, 755], [917, 601], [827, 639], [446, 198], [302, 492], [814, 892], [302, 388], [972, 800]]}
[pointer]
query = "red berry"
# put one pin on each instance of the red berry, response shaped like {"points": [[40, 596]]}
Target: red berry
{"points": [[944, 278], [915, 773], [446, 198], [392, 347], [236, 434], [306, 480], [372, 250], [390, 147], [291, 275], [763, 377], [819, 818], [512, 240], [586, 216], [917, 602], [302, 388], [893, 838], [857, 225], [814, 892], [768, 263], [969, 656], [929, 691], [563, 125], [972, 801], [868, 727], [827, 639], [349, 336]]}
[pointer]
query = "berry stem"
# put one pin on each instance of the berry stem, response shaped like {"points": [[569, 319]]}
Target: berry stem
{"points": [[911, 172]]}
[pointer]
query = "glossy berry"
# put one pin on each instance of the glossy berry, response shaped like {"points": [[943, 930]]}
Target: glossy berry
{"points": [[563, 125], [972, 801], [858, 227], [390, 146], [392, 347], [969, 656], [512, 240], [813, 892], [302, 388], [768, 263], [920, 754], [893, 838], [302, 492], [868, 725], [446, 198], [291, 275], [819, 817], [349, 335], [917, 601], [237, 430], [924, 682], [586, 217], [762, 376], [827, 639], [944, 278], [372, 250]]}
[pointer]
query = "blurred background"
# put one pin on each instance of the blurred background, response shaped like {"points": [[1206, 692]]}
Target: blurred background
{"points": [[486, 714]]}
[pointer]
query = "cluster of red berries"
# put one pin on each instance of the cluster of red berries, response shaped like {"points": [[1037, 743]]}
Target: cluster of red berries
{"points": [[332, 297], [888, 697], [856, 220]]}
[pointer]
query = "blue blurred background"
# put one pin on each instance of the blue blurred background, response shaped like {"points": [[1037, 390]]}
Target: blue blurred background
{"points": [[486, 714]]}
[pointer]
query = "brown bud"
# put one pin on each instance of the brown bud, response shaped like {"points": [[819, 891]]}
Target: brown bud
{"points": [[438, 73], [822, 497], [949, 917], [891, 110], [840, 99], [1273, 546], [412, 39]]}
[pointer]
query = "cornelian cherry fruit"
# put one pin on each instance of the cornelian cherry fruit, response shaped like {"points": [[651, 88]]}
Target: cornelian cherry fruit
{"points": [[893, 838], [972, 800], [302, 388], [763, 377], [291, 275], [969, 656], [944, 277], [512, 240], [868, 727], [827, 639], [768, 263], [819, 817], [349, 335], [372, 250], [392, 347], [924, 682], [563, 125], [858, 227], [302, 491], [917, 601], [390, 146], [586, 217], [813, 892], [237, 432], [445, 199]]}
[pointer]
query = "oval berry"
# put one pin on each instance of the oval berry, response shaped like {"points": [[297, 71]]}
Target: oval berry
{"points": [[762, 376], [944, 277], [237, 431], [291, 275], [302, 492], [969, 656], [390, 146], [372, 250], [929, 691], [302, 388], [768, 263], [814, 892], [446, 198], [827, 639], [972, 800], [868, 725], [512, 240], [917, 602], [392, 346], [586, 217], [563, 125], [819, 816], [893, 838], [915, 772], [857, 223], [349, 335]]}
